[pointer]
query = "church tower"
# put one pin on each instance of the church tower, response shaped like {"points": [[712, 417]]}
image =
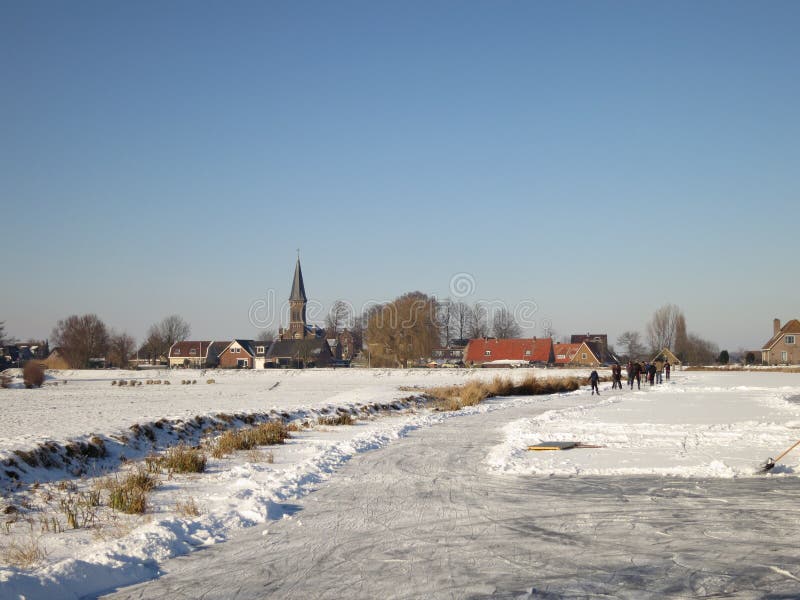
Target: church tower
{"points": [[297, 306]]}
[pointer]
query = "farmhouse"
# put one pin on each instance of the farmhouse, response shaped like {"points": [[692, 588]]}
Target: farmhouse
{"points": [[195, 354], [484, 351], [782, 347]]}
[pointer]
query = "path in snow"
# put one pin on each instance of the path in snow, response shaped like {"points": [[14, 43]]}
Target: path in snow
{"points": [[425, 518]]}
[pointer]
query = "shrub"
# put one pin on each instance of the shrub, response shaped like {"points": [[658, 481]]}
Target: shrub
{"points": [[33, 374], [183, 459]]}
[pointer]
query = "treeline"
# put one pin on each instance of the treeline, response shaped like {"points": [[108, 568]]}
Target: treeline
{"points": [[83, 339], [667, 329]]}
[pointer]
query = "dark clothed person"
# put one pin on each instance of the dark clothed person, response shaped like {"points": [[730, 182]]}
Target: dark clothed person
{"points": [[594, 379]]}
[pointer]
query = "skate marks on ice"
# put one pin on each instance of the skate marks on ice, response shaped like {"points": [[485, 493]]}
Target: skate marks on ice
{"points": [[425, 519]]}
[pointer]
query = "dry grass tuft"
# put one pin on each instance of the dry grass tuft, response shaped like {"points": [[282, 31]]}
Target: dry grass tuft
{"points": [[25, 553], [129, 494], [187, 508], [265, 434], [341, 419], [183, 459], [456, 397]]}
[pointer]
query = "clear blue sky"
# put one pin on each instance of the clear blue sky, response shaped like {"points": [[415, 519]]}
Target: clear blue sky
{"points": [[599, 158]]}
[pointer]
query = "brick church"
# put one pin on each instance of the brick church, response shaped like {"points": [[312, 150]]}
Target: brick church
{"points": [[300, 345]]}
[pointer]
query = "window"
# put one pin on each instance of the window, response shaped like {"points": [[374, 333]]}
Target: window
{"points": [[784, 356], [487, 353], [260, 349], [177, 351], [583, 356], [192, 351], [789, 339], [527, 352], [235, 350]]}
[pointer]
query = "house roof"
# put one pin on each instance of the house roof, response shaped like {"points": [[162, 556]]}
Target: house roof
{"points": [[297, 348], [585, 346], [298, 289], [669, 355], [217, 348], [539, 349], [577, 338], [246, 345], [567, 351], [791, 327], [601, 352], [184, 349]]}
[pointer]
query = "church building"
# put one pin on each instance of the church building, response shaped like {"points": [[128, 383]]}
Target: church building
{"points": [[300, 345]]}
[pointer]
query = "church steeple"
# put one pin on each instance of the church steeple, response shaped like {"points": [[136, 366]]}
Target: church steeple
{"points": [[297, 305], [298, 289]]}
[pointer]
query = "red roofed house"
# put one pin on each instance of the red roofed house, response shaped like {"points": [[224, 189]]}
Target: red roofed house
{"points": [[192, 354], [782, 347], [564, 353], [481, 351]]}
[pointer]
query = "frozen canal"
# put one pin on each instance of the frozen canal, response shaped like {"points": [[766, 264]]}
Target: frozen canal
{"points": [[425, 518]]}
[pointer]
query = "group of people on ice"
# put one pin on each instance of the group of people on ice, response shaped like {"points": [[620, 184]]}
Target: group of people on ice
{"points": [[653, 373]]}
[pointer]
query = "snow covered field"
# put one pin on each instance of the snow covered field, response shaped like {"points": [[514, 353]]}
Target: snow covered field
{"points": [[325, 492]]}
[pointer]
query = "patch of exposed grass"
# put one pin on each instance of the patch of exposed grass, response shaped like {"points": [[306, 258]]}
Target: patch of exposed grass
{"points": [[129, 494], [24, 553], [187, 508], [340, 419], [183, 459], [265, 434], [456, 397]]}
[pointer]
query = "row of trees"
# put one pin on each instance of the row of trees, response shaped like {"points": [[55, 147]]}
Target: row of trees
{"points": [[667, 329], [413, 324], [82, 338]]}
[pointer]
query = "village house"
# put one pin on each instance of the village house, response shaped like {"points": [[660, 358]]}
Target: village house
{"points": [[145, 357], [56, 360], [593, 353], [505, 352], [782, 347], [243, 354], [194, 354], [564, 353], [448, 355], [667, 355], [579, 338]]}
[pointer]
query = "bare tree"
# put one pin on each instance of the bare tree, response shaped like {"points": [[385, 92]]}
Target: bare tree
{"points": [[504, 325], [337, 318], [631, 344], [444, 315], [163, 334], [2, 333], [81, 338], [662, 327], [265, 335], [461, 319], [121, 347], [174, 329], [478, 321], [700, 351]]}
